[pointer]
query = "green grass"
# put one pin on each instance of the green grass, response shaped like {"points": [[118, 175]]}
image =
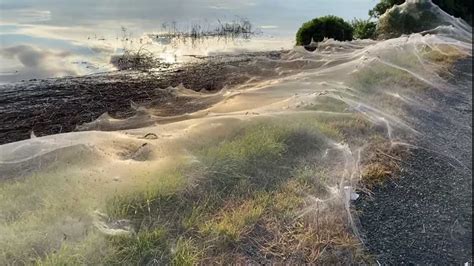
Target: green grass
{"points": [[253, 184], [90, 249], [186, 252], [328, 104], [31, 214], [139, 202], [141, 248], [49, 215], [244, 183], [244, 197], [234, 220], [373, 79], [64, 256]]}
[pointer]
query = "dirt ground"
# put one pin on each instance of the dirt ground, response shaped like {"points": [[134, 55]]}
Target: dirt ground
{"points": [[52, 106]]}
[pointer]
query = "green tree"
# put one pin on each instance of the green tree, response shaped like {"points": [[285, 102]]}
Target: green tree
{"points": [[364, 29], [414, 17], [324, 27], [382, 6], [458, 8]]}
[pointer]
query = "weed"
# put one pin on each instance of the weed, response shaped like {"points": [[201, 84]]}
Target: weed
{"points": [[139, 249], [186, 252]]}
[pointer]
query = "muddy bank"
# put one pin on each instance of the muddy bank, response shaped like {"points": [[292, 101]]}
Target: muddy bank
{"points": [[54, 106], [424, 214]]}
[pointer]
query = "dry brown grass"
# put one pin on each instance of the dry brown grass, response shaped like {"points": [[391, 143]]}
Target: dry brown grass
{"points": [[381, 162]]}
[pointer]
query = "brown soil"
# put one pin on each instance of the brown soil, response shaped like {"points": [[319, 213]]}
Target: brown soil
{"points": [[54, 106]]}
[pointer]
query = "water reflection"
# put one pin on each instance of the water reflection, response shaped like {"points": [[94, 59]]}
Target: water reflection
{"points": [[57, 38]]}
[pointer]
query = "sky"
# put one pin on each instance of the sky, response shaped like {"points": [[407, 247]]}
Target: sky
{"points": [[282, 13], [48, 38]]}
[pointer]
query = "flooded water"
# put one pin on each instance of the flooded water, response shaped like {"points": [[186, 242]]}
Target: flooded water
{"points": [[57, 38]]}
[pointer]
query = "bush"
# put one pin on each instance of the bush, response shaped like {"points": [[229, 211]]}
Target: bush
{"points": [[383, 6], [324, 27], [414, 17], [364, 29], [458, 8]]}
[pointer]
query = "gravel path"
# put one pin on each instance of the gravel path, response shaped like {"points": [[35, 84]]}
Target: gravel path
{"points": [[424, 216]]}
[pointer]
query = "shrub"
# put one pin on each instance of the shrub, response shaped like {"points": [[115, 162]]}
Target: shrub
{"points": [[364, 29], [383, 6], [458, 8], [140, 59], [414, 17], [324, 27]]}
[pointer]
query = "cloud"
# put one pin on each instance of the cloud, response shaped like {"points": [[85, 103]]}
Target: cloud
{"points": [[231, 5], [269, 27], [102, 50], [36, 62], [25, 16]]}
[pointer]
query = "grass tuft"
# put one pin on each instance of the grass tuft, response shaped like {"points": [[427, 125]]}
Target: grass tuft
{"points": [[186, 252], [142, 248]]}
